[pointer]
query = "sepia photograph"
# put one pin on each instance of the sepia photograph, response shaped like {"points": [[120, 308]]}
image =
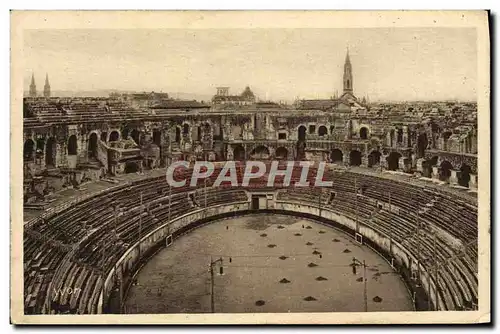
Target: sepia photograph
{"points": [[250, 167]]}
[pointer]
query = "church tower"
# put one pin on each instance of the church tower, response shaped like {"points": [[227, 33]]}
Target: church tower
{"points": [[46, 87], [32, 86], [347, 74]]}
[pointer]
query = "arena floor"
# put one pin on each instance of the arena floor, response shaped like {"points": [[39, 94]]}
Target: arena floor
{"points": [[268, 266]]}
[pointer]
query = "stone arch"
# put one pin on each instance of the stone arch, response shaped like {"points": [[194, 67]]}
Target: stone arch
{"points": [[445, 170], [260, 152], [434, 161], [393, 160], [207, 128], [322, 131], [157, 137], [392, 136], [50, 152], [40, 145], [336, 155], [374, 158], [125, 132], [399, 135], [364, 133], [281, 153], [72, 145], [464, 177], [92, 146], [301, 133], [131, 167], [177, 134], [136, 136], [29, 149], [114, 136], [422, 143], [355, 158], [185, 129], [239, 153], [196, 133]]}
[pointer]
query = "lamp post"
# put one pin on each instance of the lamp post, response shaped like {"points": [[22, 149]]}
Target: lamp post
{"points": [[356, 262], [212, 287]]}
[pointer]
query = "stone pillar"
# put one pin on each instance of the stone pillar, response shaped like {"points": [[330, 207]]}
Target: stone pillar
{"points": [[435, 172], [473, 182], [419, 166], [364, 160], [405, 137], [346, 159], [383, 161], [61, 153], [453, 177]]}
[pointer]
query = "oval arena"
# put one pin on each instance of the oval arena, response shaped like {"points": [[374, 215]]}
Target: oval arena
{"points": [[104, 232], [82, 258]]}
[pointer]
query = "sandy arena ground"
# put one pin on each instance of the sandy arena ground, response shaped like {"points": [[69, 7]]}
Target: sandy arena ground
{"points": [[268, 266]]}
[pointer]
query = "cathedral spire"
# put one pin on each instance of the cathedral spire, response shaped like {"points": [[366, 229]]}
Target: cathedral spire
{"points": [[46, 87], [347, 74], [32, 86]]}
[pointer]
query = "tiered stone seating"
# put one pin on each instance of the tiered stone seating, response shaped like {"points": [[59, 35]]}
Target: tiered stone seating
{"points": [[101, 238]]}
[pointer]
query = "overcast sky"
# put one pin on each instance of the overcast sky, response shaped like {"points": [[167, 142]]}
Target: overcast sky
{"points": [[388, 64]]}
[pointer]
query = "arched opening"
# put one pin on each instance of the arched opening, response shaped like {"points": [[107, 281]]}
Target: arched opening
{"points": [[125, 132], [336, 155], [136, 136], [131, 167], [400, 135], [445, 170], [40, 148], [464, 178], [355, 158], [197, 135], [281, 153], [104, 136], [363, 133], [185, 129], [322, 131], [427, 166], [114, 136], [207, 128], [50, 152], [177, 134], [72, 145], [374, 158], [92, 149], [157, 137], [239, 153], [433, 161], [29, 149], [422, 143], [393, 160], [302, 133], [426, 169], [260, 152]]}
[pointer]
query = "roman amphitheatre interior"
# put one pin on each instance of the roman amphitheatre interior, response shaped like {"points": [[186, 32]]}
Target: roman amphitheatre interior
{"points": [[104, 232]]}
